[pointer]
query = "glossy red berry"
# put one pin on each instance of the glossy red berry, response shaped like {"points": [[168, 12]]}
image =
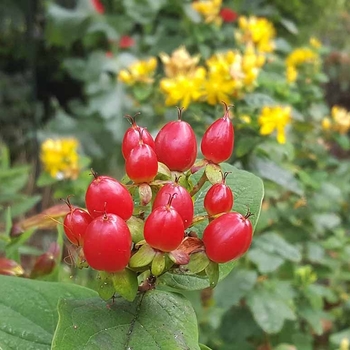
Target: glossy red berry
{"points": [[164, 228], [107, 245], [217, 142], [176, 145], [132, 136], [141, 165], [182, 203], [227, 237], [107, 195], [75, 223], [219, 198]]}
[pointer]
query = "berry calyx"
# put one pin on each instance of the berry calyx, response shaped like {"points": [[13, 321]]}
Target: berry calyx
{"points": [[141, 164], [176, 145], [219, 198], [107, 195], [228, 237], [75, 224], [217, 142], [132, 136], [183, 203], [164, 228]]}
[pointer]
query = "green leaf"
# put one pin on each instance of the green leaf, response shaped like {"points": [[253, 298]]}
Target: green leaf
{"points": [[143, 11], [269, 170], [65, 26], [155, 320], [45, 179], [271, 242], [28, 311], [257, 100], [289, 25], [190, 282], [125, 284], [105, 287], [236, 286], [337, 338], [313, 318], [270, 311], [266, 262], [204, 347], [212, 270]]}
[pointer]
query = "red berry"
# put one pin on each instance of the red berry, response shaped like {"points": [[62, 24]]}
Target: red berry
{"points": [[141, 165], [227, 237], [107, 245], [164, 228], [176, 145], [219, 198], [132, 137], [107, 195], [217, 142], [183, 203], [228, 15], [75, 224]]}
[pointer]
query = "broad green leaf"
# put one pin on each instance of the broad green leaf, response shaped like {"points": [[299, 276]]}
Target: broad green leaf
{"points": [[155, 320], [230, 291], [266, 262], [269, 170], [65, 26], [271, 242], [270, 311], [28, 311], [313, 318]]}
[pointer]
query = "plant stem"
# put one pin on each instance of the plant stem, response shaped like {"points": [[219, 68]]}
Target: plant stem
{"points": [[199, 185]]}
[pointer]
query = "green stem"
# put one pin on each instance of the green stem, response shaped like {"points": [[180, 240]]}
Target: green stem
{"points": [[199, 185]]}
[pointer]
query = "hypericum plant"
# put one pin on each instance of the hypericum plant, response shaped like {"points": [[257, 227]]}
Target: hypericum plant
{"points": [[177, 229]]}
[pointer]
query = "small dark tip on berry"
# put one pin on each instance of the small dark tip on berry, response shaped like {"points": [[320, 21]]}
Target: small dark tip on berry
{"points": [[94, 173], [180, 112]]}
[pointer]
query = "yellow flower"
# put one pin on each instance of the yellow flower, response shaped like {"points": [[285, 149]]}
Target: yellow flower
{"points": [[275, 118], [184, 89], [209, 9], [344, 344], [301, 55], [218, 89], [291, 74], [139, 72], [245, 118], [257, 31], [251, 63], [326, 124], [180, 62], [341, 119], [314, 42], [225, 76], [60, 158]]}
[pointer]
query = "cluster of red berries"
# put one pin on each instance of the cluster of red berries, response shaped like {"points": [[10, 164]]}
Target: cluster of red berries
{"points": [[106, 230]]}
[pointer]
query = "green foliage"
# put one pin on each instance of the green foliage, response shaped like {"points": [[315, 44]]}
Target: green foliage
{"points": [[291, 289], [13, 181]]}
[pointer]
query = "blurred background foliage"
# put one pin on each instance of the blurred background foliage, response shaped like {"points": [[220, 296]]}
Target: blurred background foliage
{"points": [[66, 74]]}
